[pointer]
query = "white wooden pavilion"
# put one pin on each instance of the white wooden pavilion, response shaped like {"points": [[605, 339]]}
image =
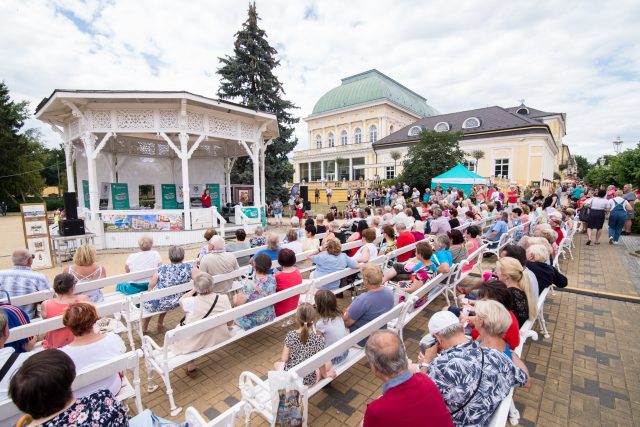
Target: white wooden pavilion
{"points": [[155, 138]]}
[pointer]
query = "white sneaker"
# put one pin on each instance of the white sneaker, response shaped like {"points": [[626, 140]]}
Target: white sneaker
{"points": [[616, 243]]}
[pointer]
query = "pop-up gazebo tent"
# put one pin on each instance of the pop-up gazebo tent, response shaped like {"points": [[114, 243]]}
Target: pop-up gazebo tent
{"points": [[459, 177]]}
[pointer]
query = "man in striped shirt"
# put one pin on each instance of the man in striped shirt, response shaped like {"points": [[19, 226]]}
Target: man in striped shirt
{"points": [[21, 280]]}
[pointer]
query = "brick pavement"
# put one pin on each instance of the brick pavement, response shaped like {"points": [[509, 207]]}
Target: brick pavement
{"points": [[586, 374]]}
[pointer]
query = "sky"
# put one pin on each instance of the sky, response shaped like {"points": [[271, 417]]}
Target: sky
{"points": [[581, 58]]}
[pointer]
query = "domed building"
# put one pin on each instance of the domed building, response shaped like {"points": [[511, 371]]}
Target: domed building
{"points": [[346, 122]]}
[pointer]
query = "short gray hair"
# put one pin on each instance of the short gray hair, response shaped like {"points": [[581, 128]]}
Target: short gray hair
{"points": [[21, 257], [295, 221], [145, 242], [385, 351], [273, 241], [217, 242], [258, 230], [176, 254], [437, 212], [401, 226], [443, 241], [204, 284]]}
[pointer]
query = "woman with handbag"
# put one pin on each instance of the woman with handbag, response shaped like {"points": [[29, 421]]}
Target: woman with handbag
{"points": [[203, 301]]}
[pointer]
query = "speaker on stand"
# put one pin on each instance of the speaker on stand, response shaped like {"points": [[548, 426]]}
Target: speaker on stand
{"points": [[304, 192], [71, 225]]}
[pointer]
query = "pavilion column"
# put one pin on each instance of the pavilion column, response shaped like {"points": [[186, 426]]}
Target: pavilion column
{"points": [[228, 166], [321, 170], [88, 141], [350, 169], [336, 177], [255, 158], [186, 193], [68, 157], [263, 181]]}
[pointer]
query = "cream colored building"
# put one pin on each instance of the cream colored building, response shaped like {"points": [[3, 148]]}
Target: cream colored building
{"points": [[347, 120], [356, 127]]}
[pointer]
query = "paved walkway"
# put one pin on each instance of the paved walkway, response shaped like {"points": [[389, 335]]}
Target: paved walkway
{"points": [[586, 374]]}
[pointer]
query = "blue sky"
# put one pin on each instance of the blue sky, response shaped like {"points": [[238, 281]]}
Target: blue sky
{"points": [[576, 57]]}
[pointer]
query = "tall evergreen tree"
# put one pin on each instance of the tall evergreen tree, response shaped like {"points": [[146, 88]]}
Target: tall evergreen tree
{"points": [[20, 153], [248, 77], [434, 154]]}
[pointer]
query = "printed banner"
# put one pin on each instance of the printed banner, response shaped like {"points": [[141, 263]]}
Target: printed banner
{"points": [[36, 234], [195, 195], [151, 222], [85, 192], [214, 192], [104, 195], [169, 196], [120, 196]]}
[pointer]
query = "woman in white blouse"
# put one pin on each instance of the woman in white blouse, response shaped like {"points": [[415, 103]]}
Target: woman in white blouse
{"points": [[598, 207]]}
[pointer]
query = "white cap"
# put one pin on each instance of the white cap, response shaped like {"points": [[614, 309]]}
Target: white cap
{"points": [[442, 320], [399, 207]]}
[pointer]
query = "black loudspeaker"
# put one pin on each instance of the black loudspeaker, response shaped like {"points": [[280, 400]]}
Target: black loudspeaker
{"points": [[71, 227], [71, 206], [304, 192], [307, 205]]}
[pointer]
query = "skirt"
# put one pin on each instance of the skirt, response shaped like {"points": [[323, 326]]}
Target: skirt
{"points": [[596, 219]]}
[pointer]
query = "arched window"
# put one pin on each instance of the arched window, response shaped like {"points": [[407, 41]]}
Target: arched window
{"points": [[332, 142], [414, 131], [344, 137], [442, 127], [373, 133], [471, 122], [523, 110], [358, 136], [318, 141]]}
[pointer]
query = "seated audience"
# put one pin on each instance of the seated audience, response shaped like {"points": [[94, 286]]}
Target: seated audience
{"points": [[208, 234], [289, 277], [85, 269], [511, 273], [239, 245], [22, 280], [302, 343], [472, 244], [360, 226], [10, 360], [418, 230], [440, 225], [473, 380], [388, 240], [217, 261], [330, 323], [263, 285], [206, 299], [41, 388], [520, 254], [146, 259], [17, 317], [453, 218], [442, 257], [377, 300], [368, 250], [407, 399], [332, 233], [495, 290], [545, 274], [516, 221], [496, 231], [310, 242], [320, 225], [416, 273], [173, 274], [273, 247], [258, 239], [89, 347], [330, 260], [292, 242], [458, 248], [64, 284], [405, 238]]}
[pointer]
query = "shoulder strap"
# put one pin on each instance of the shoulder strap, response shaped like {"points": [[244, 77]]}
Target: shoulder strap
{"points": [[8, 364], [477, 385], [215, 301]]}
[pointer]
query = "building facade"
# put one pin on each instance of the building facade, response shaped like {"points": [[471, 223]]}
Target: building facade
{"points": [[348, 120]]}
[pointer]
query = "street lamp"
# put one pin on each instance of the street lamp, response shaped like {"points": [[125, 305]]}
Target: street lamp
{"points": [[616, 144]]}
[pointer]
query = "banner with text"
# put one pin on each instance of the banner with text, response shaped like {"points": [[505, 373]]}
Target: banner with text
{"points": [[214, 192], [169, 196], [120, 196]]}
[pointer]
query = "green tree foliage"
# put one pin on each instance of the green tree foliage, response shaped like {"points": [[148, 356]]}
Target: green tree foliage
{"points": [[21, 153], [623, 168], [435, 153], [247, 77], [583, 166]]}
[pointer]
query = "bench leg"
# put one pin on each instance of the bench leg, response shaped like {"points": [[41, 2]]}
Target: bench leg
{"points": [[167, 384], [514, 414], [130, 335], [543, 325]]}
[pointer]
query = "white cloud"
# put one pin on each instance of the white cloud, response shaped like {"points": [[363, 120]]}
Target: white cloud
{"points": [[575, 57]]}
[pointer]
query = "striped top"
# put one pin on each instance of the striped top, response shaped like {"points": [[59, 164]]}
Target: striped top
{"points": [[21, 280]]}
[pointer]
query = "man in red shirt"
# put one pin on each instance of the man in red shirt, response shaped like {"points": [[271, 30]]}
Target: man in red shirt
{"points": [[512, 196], [407, 399], [405, 238]]}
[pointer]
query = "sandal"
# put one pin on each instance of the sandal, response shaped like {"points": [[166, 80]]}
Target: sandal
{"points": [[191, 373], [588, 242]]}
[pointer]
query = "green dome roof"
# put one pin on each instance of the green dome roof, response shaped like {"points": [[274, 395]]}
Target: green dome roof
{"points": [[371, 86]]}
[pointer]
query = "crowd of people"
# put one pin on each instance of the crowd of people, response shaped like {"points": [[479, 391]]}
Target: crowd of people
{"points": [[466, 378]]}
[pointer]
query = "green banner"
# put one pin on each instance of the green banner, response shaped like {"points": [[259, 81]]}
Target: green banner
{"points": [[169, 198], [264, 216], [250, 212], [214, 192], [85, 191], [120, 196]]}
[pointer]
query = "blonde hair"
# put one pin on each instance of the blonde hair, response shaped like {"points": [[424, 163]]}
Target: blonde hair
{"points": [[512, 268], [496, 318], [85, 256], [305, 316], [372, 274], [333, 246], [619, 193], [539, 253]]}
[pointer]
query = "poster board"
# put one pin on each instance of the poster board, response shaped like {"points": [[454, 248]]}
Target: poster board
{"points": [[195, 195], [85, 192], [120, 196], [137, 222], [169, 196], [36, 233], [214, 192]]}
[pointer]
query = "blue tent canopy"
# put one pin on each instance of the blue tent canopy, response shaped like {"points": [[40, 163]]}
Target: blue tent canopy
{"points": [[459, 177]]}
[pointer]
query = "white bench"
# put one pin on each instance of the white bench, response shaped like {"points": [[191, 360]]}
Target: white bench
{"points": [[455, 280], [91, 374]]}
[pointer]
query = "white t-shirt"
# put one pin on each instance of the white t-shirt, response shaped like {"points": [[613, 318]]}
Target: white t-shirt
{"points": [[373, 251], [295, 246], [618, 200], [598, 203], [333, 330], [143, 260], [88, 355], [4, 356]]}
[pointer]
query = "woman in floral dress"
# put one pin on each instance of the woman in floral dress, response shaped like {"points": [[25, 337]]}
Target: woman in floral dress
{"points": [[262, 286], [174, 274]]}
